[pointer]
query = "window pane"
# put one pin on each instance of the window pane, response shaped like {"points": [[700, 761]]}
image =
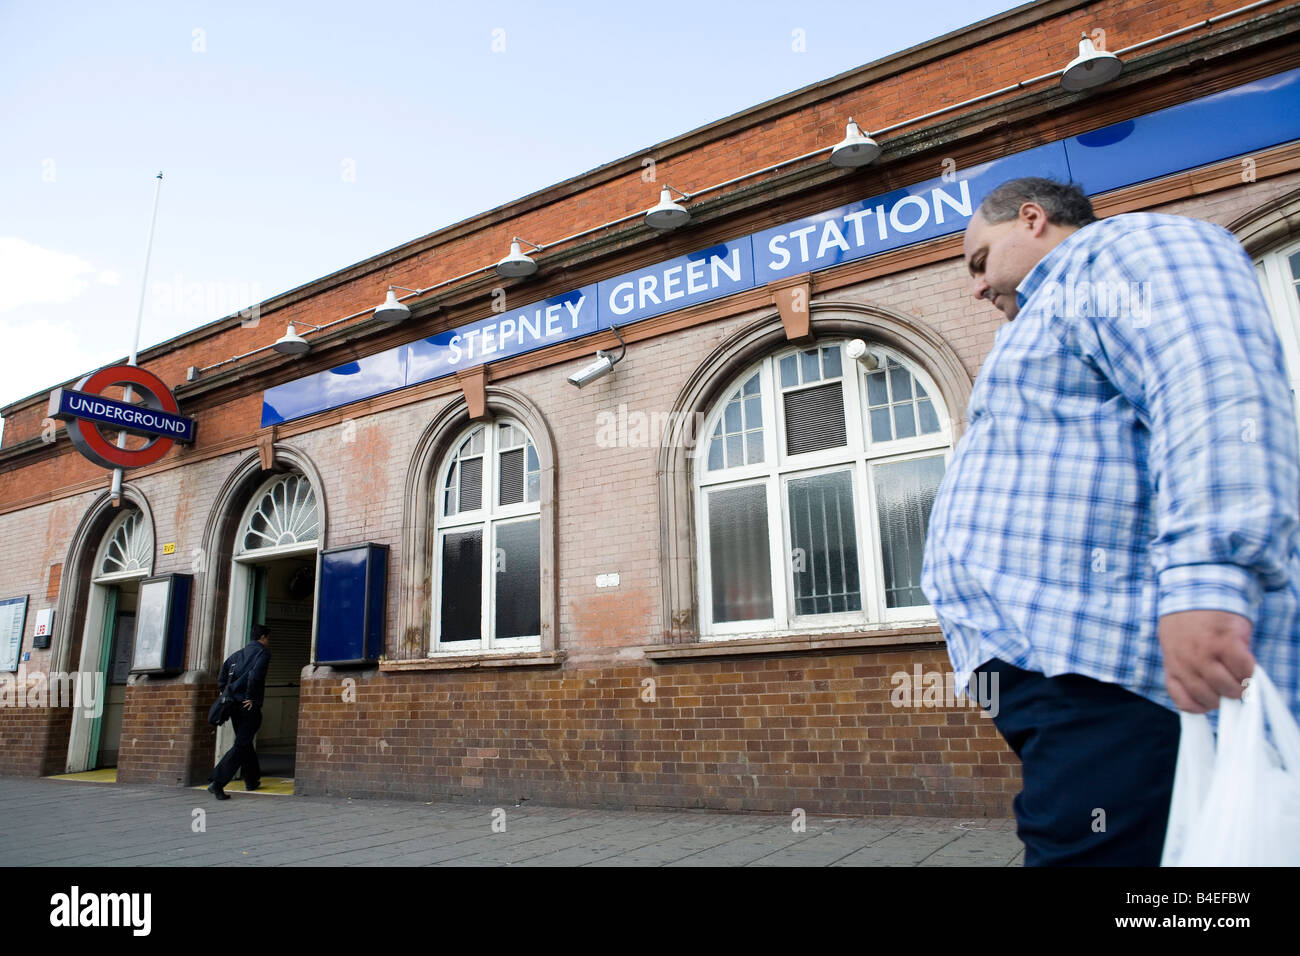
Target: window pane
{"points": [[731, 417], [462, 585], [512, 476], [905, 491], [715, 453], [900, 379], [751, 387], [929, 420], [735, 450], [471, 484], [789, 371], [876, 393], [739, 562], [831, 361], [880, 428], [533, 464], [904, 421], [517, 566], [534, 486], [825, 544], [753, 412], [754, 441], [809, 365]]}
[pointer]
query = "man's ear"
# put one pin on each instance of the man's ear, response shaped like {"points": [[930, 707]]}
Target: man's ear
{"points": [[1035, 217]]}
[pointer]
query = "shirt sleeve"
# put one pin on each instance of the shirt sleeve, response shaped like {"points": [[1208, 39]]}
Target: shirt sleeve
{"points": [[1196, 354]]}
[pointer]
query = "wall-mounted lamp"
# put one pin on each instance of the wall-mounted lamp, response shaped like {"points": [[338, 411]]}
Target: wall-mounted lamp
{"points": [[602, 366], [858, 351], [1092, 67], [292, 343], [667, 214], [393, 311], [517, 264], [856, 149]]}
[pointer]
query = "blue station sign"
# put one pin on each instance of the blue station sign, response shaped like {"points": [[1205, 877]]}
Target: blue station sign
{"points": [[1257, 115], [68, 403]]}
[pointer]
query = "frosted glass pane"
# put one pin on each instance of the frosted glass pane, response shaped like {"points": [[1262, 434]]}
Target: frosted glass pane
{"points": [[824, 544], [739, 562], [905, 492]]}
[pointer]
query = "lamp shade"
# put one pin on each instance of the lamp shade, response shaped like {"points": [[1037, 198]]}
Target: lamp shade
{"points": [[1092, 67], [667, 214], [392, 310], [516, 265], [856, 149], [292, 343]]}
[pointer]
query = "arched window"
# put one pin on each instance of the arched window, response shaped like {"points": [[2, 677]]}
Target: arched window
{"points": [[1279, 276], [814, 482], [282, 516], [127, 548], [487, 542]]}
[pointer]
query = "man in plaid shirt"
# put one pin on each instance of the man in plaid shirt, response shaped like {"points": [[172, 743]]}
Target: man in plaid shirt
{"points": [[1116, 534]]}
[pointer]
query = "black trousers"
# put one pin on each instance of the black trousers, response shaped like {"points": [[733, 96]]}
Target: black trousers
{"points": [[1098, 767], [241, 756]]}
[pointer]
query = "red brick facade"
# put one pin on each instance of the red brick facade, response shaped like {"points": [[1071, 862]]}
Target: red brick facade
{"points": [[770, 723]]}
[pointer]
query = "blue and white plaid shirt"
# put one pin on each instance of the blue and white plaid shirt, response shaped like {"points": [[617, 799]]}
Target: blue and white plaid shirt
{"points": [[1131, 452]]}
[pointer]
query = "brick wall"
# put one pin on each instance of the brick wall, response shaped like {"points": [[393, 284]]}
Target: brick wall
{"points": [[34, 740], [767, 734], [166, 738]]}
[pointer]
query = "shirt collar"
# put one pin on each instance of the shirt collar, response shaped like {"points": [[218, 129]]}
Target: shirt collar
{"points": [[1036, 276]]}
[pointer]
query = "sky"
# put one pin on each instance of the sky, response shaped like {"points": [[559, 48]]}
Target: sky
{"points": [[298, 138]]}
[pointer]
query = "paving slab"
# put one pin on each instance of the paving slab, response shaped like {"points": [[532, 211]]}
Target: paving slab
{"points": [[111, 824]]}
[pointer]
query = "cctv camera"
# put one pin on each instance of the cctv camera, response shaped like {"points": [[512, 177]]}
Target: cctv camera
{"points": [[595, 370]]}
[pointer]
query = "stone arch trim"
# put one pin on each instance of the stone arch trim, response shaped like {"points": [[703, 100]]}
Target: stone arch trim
{"points": [[75, 586], [1269, 225], [830, 318], [211, 567], [414, 604]]}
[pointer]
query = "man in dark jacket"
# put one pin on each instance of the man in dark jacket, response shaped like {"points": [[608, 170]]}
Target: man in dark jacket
{"points": [[248, 686]]}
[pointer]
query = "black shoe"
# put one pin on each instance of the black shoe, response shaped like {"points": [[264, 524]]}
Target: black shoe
{"points": [[253, 786], [218, 792]]}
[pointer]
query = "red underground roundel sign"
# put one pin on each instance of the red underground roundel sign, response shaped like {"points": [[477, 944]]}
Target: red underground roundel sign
{"points": [[85, 410]]}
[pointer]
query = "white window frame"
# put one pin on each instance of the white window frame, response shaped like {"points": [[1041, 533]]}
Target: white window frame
{"points": [[1274, 272], [859, 457], [490, 516]]}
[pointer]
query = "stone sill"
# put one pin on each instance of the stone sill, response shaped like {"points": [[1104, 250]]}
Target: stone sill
{"points": [[467, 661], [795, 643]]}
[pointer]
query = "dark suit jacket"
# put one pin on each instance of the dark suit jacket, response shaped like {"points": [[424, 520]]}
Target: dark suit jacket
{"points": [[250, 665]]}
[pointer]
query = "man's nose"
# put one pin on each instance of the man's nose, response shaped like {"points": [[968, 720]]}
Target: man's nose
{"points": [[979, 288]]}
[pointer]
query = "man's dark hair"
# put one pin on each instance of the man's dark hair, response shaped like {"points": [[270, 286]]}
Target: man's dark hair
{"points": [[1065, 203], [260, 631]]}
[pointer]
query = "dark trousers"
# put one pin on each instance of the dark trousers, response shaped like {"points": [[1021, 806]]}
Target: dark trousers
{"points": [[1098, 767], [242, 755]]}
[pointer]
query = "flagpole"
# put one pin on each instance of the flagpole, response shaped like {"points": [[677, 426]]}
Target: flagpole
{"points": [[135, 344]]}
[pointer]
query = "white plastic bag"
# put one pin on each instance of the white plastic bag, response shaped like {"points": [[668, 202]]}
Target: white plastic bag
{"points": [[1237, 804]]}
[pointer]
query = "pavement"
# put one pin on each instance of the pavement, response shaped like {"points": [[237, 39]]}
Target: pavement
{"points": [[73, 824]]}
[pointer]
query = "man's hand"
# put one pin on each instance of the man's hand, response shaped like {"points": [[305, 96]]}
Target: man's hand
{"points": [[248, 705], [1207, 656]]}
